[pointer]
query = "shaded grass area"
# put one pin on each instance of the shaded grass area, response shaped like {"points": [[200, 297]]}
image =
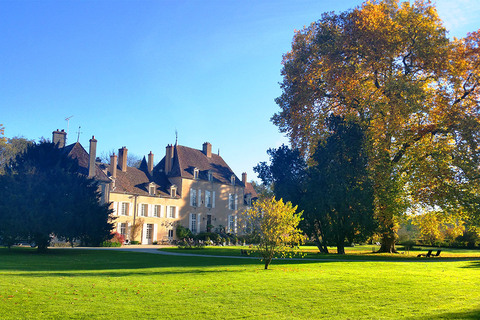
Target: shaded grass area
{"points": [[352, 253], [90, 284]]}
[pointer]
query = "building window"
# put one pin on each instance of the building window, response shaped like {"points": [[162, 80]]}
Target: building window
{"points": [[149, 232], [210, 176], [124, 209], [232, 180], [170, 234], [173, 191], [144, 210], [156, 211], [231, 224], [193, 197], [151, 189], [195, 173], [172, 212], [208, 199], [231, 201], [193, 222], [123, 229]]}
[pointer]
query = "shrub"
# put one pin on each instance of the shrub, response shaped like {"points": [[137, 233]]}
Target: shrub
{"points": [[111, 244], [183, 232], [134, 242]]}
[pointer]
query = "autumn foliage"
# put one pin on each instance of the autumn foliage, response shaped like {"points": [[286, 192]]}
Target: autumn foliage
{"points": [[391, 66]]}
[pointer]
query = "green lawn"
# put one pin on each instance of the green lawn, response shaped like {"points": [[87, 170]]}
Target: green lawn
{"points": [[90, 284]]}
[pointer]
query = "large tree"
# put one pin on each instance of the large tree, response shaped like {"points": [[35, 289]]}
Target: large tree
{"points": [[43, 195], [10, 148], [339, 197], [391, 66]]}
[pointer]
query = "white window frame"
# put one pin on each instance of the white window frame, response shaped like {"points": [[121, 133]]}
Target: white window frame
{"points": [[143, 210], [124, 208], [193, 222], [157, 211], [173, 191], [231, 201], [208, 199], [193, 197], [172, 209], [196, 173]]}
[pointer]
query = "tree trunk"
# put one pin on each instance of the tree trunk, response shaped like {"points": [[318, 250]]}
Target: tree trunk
{"points": [[267, 262], [320, 244], [388, 243], [340, 249]]}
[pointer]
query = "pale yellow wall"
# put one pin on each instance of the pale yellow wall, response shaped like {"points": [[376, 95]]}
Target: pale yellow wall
{"points": [[163, 223]]}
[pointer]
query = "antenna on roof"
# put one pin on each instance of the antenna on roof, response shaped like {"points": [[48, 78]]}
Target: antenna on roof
{"points": [[176, 137], [68, 120], [218, 151], [78, 138]]}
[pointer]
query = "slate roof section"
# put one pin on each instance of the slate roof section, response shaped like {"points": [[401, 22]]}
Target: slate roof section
{"points": [[249, 190], [76, 151], [136, 181], [186, 159]]}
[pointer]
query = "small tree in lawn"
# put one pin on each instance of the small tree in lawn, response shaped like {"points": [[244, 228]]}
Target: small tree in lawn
{"points": [[275, 223]]}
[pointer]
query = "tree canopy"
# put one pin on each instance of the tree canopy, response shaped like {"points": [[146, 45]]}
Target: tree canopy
{"points": [[43, 195], [391, 66], [275, 223]]}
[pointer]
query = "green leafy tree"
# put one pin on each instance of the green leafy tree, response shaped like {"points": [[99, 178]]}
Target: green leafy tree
{"points": [[275, 224], [285, 174], [43, 195], [390, 66], [339, 197], [10, 148]]}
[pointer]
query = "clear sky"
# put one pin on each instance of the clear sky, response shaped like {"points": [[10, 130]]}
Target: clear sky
{"points": [[133, 72]]}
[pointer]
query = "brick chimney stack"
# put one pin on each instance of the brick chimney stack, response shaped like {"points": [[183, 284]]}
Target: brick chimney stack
{"points": [[207, 149], [244, 178], [113, 165], [93, 156], [59, 138], [150, 162], [122, 159], [168, 159]]}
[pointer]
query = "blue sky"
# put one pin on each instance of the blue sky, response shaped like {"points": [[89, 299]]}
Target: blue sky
{"points": [[133, 72]]}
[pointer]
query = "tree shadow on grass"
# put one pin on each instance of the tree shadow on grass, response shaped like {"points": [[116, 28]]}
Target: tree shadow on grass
{"points": [[121, 263], [473, 264], [466, 315]]}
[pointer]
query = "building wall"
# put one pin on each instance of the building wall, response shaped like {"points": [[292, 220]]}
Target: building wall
{"points": [[160, 225]]}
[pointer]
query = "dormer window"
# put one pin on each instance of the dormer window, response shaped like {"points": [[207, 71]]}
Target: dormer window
{"points": [[210, 176], [152, 189], [232, 180], [195, 173], [173, 191]]}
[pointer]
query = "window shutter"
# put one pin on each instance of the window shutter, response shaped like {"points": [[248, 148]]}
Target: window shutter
{"points": [[115, 208], [199, 199], [235, 224], [155, 230], [190, 221], [119, 226], [144, 234], [167, 211], [213, 199], [236, 200], [191, 197]]}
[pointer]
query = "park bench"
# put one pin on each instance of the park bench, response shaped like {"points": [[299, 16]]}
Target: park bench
{"points": [[429, 254]]}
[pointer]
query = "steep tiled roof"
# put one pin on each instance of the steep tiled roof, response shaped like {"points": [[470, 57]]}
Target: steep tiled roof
{"points": [[76, 151], [249, 190], [186, 159]]}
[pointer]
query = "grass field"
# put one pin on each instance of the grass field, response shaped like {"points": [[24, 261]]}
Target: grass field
{"points": [[91, 284]]}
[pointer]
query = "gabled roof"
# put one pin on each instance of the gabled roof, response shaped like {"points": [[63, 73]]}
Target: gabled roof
{"points": [[250, 190], [186, 159], [76, 151], [137, 181]]}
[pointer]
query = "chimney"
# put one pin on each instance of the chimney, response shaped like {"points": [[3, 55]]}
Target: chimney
{"points": [[150, 162], [168, 159], [59, 138], [93, 156], [244, 178], [207, 149], [113, 165], [122, 159]]}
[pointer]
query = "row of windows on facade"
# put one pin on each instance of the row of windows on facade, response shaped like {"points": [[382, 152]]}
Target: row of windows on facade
{"points": [[210, 199], [145, 210], [195, 221], [149, 229], [152, 189], [196, 173]]}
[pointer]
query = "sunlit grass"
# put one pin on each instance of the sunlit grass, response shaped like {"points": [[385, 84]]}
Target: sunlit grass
{"points": [[89, 284]]}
